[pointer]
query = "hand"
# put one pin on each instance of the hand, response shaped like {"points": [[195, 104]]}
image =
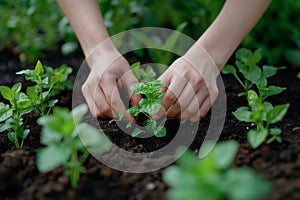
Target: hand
{"points": [[191, 85], [109, 69]]}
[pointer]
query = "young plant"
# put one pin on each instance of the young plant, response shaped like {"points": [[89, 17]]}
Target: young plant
{"points": [[141, 74], [48, 83], [262, 114], [68, 142], [213, 177], [247, 64], [11, 115], [148, 105]]}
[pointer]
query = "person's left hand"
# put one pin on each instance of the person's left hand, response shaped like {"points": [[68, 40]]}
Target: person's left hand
{"points": [[190, 85]]}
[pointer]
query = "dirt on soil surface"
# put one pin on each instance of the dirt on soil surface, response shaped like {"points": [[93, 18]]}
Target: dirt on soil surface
{"points": [[278, 163]]}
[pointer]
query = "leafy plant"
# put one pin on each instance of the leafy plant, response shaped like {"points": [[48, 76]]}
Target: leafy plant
{"points": [[143, 75], [247, 64], [68, 142], [262, 114], [149, 104], [48, 83], [213, 177], [11, 115]]}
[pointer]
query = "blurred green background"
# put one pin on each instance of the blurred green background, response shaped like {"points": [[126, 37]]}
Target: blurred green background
{"points": [[33, 28]]}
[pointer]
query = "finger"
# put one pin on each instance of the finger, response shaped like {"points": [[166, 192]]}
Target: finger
{"points": [[96, 102], [125, 82], [203, 110], [174, 90], [112, 96], [184, 100]]}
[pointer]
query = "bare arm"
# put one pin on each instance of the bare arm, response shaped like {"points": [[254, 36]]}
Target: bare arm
{"points": [[233, 23], [191, 79], [86, 20]]}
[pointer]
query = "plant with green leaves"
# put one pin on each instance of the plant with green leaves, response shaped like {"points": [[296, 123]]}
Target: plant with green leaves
{"points": [[48, 83], [68, 142], [262, 114], [213, 178], [11, 119], [143, 75], [149, 104], [253, 75]]}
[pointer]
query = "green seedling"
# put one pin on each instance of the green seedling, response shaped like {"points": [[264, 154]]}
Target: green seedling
{"points": [[148, 105], [253, 75], [48, 83], [212, 177], [68, 142], [262, 114], [11, 115], [141, 74]]}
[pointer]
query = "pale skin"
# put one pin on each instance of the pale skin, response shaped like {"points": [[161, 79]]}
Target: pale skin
{"points": [[194, 73]]}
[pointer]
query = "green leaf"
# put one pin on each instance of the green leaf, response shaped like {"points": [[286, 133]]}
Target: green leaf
{"points": [[17, 87], [275, 131], [7, 93], [32, 93], [93, 139], [242, 54], [24, 104], [277, 113], [5, 112], [254, 59], [253, 99], [271, 91], [4, 127], [11, 137], [160, 131], [79, 112], [134, 110], [229, 69], [52, 156], [245, 184], [243, 114], [151, 125], [39, 70], [257, 137], [269, 71], [225, 153], [136, 132]]}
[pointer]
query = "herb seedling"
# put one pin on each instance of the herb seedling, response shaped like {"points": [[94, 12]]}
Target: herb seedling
{"points": [[262, 114], [48, 83], [65, 138], [141, 74], [148, 105], [213, 177], [253, 75], [11, 115]]}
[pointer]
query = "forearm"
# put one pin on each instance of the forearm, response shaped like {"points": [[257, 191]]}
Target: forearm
{"points": [[233, 23], [87, 22]]}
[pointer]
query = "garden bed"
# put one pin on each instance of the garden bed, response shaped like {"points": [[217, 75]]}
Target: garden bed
{"points": [[278, 163]]}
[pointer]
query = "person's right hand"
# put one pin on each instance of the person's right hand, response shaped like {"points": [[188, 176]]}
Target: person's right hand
{"points": [[109, 69]]}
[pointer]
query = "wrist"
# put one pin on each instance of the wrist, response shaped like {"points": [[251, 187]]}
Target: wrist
{"points": [[199, 58], [106, 52]]}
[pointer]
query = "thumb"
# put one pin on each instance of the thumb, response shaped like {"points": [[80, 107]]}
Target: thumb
{"points": [[127, 81]]}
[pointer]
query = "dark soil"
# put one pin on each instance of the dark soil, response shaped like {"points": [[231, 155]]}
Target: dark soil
{"points": [[278, 163]]}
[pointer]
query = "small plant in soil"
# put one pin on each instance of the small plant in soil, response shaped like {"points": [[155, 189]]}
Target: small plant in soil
{"points": [[11, 119], [143, 75], [68, 142], [262, 114], [259, 112], [48, 83], [213, 177], [149, 104], [253, 75]]}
